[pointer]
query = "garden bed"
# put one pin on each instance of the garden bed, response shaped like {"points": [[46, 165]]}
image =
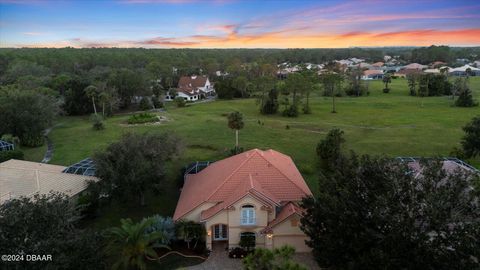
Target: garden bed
{"points": [[145, 119]]}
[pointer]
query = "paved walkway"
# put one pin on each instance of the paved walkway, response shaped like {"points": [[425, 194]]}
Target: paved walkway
{"points": [[219, 260], [49, 153]]}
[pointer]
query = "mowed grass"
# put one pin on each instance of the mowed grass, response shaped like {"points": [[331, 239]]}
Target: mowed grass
{"points": [[393, 124]]}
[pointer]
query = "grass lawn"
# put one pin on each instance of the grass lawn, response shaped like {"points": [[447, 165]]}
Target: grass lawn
{"points": [[393, 124]]}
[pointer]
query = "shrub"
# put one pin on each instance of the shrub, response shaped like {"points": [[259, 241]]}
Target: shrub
{"points": [[235, 150], [465, 99], [291, 111], [10, 138], [165, 225], [97, 122], [156, 102], [145, 104], [386, 90], [142, 118], [12, 154], [180, 102]]}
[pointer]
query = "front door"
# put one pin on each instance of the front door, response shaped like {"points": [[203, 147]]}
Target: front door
{"points": [[220, 232]]}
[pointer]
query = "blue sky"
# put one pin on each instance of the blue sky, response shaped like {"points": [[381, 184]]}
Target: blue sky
{"points": [[237, 23]]}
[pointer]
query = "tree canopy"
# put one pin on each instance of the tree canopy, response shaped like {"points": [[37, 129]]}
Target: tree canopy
{"points": [[382, 215], [47, 224], [134, 165]]}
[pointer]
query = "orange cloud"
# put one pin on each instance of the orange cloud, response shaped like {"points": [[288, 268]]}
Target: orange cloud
{"points": [[291, 39]]}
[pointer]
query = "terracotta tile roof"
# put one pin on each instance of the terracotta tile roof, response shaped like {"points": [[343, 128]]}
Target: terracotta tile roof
{"points": [[192, 81], [378, 64], [372, 72], [288, 209], [249, 186], [415, 66], [25, 178], [269, 173]]}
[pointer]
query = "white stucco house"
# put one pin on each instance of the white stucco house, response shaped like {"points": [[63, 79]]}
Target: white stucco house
{"points": [[193, 88]]}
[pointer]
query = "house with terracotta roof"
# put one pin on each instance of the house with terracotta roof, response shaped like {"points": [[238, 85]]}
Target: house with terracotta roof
{"points": [[193, 88], [372, 74], [253, 193]]}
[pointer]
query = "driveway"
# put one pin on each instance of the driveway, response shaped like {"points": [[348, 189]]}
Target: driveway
{"points": [[219, 260]]}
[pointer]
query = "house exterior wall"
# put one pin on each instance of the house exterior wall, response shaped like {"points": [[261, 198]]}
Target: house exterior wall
{"points": [[289, 232], [194, 215], [231, 217]]}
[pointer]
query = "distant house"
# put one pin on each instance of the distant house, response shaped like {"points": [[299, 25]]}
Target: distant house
{"points": [[254, 194], [464, 71], [403, 73], [432, 71], [449, 164], [377, 65], [19, 178], [437, 64], [372, 74], [193, 88], [415, 66]]}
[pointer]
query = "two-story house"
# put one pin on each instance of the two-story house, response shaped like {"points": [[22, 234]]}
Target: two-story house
{"points": [[193, 88], [253, 193]]}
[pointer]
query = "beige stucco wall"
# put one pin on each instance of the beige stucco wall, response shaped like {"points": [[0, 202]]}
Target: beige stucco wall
{"points": [[232, 219], [289, 232]]}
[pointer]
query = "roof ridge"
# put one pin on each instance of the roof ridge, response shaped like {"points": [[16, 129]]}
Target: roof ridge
{"points": [[284, 173], [231, 174]]}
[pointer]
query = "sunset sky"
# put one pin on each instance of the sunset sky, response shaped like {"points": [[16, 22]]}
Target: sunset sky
{"points": [[238, 23]]}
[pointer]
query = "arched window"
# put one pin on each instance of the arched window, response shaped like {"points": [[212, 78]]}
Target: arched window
{"points": [[248, 215]]}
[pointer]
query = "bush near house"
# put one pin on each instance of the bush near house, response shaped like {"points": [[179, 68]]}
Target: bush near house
{"points": [[142, 118], [12, 154]]}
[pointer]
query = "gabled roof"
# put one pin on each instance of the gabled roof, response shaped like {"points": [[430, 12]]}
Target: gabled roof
{"points": [[378, 64], [464, 69], [372, 72], [287, 211], [192, 82], [415, 66], [250, 187], [269, 175], [24, 178]]}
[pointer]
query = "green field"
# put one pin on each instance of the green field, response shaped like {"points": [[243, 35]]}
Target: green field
{"points": [[393, 124]]}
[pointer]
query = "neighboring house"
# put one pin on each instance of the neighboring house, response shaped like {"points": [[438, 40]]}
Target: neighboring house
{"points": [[403, 73], [253, 193], [193, 88], [432, 71], [449, 164], [372, 74], [19, 178], [437, 64], [415, 66], [462, 71], [378, 66]]}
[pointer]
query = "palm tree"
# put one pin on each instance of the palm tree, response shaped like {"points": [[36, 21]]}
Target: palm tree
{"points": [[129, 244], [386, 80], [91, 92], [235, 122]]}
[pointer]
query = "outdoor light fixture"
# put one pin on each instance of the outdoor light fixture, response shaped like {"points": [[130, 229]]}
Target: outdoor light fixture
{"points": [[209, 233], [270, 235]]}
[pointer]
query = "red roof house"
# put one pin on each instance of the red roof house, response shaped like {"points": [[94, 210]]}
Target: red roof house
{"points": [[252, 192]]}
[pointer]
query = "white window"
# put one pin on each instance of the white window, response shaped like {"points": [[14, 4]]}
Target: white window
{"points": [[248, 215], [220, 232]]}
